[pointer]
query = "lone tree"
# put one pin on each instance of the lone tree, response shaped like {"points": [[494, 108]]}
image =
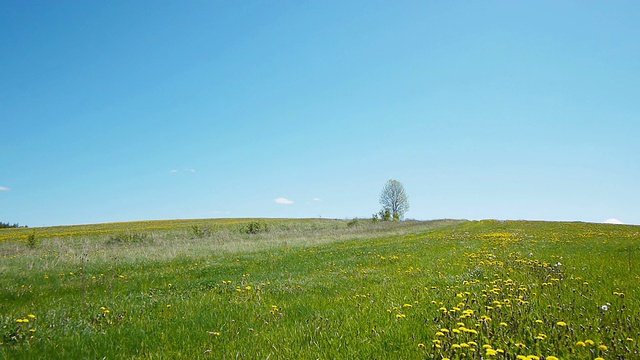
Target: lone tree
{"points": [[394, 199]]}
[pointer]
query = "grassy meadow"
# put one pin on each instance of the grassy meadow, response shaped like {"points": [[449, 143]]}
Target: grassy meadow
{"points": [[321, 289]]}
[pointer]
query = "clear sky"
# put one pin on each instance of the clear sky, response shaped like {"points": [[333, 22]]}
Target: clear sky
{"points": [[133, 110]]}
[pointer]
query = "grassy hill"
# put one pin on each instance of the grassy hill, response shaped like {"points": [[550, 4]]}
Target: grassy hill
{"points": [[327, 289]]}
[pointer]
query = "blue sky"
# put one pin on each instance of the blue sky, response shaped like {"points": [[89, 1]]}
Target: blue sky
{"points": [[132, 110]]}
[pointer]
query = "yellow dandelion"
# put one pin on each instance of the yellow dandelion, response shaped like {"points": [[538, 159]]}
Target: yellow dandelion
{"points": [[561, 323], [589, 342], [491, 352], [551, 357], [581, 344], [31, 316], [503, 324], [603, 347], [421, 346], [598, 358]]}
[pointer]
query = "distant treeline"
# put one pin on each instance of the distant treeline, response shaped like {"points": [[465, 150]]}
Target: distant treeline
{"points": [[7, 225]]}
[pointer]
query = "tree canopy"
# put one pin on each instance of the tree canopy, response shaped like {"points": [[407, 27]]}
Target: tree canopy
{"points": [[394, 199]]}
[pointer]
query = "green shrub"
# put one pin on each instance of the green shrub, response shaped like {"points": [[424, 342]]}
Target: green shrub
{"points": [[32, 241], [254, 227], [385, 215], [200, 231]]}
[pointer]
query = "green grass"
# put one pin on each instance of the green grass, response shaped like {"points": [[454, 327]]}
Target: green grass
{"points": [[322, 289]]}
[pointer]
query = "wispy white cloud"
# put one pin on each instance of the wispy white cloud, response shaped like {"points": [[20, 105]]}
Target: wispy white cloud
{"points": [[4, 188], [282, 200], [174, 171], [317, 199], [613, 221]]}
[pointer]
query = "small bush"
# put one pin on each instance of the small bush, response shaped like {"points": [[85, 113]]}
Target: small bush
{"points": [[385, 215], [200, 231], [32, 241], [254, 227], [354, 222]]}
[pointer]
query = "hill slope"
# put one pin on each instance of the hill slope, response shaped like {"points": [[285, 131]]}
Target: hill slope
{"points": [[324, 289]]}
